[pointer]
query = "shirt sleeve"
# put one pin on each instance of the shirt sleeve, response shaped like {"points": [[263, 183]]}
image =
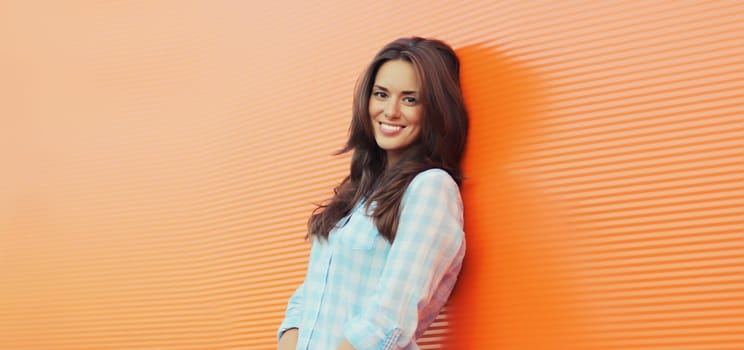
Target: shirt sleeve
{"points": [[426, 248], [293, 313]]}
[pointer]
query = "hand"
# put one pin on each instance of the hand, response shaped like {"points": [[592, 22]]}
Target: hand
{"points": [[345, 345]]}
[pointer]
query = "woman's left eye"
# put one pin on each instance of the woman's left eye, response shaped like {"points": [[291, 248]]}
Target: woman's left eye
{"points": [[410, 100]]}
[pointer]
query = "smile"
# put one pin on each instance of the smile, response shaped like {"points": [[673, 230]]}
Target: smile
{"points": [[390, 130], [390, 127]]}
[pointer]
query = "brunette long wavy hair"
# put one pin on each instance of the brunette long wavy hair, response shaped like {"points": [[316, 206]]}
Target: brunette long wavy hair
{"points": [[441, 143]]}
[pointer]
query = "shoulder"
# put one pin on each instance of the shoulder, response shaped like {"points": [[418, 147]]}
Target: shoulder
{"points": [[433, 195], [434, 177], [433, 184]]}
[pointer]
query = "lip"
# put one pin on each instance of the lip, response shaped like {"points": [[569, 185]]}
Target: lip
{"points": [[389, 132]]}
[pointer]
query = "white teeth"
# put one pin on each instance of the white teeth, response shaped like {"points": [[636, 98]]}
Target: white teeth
{"points": [[391, 128]]}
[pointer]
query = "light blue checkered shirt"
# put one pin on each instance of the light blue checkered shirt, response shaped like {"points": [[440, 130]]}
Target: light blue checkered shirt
{"points": [[376, 295]]}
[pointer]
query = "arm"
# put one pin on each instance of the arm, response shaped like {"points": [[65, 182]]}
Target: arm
{"points": [[345, 345], [428, 246], [289, 329], [288, 339]]}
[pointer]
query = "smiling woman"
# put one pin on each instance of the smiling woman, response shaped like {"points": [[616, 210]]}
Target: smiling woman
{"points": [[388, 247], [395, 109]]}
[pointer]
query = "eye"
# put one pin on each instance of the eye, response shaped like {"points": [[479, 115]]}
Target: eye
{"points": [[379, 94], [410, 100]]}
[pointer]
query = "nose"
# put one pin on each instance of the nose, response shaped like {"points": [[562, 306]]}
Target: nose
{"points": [[392, 109]]}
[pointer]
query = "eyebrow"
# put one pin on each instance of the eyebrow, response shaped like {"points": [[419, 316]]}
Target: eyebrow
{"points": [[406, 92]]}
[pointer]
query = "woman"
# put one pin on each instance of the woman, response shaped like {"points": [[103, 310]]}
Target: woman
{"points": [[388, 246]]}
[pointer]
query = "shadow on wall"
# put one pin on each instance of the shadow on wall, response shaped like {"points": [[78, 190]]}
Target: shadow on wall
{"points": [[512, 293]]}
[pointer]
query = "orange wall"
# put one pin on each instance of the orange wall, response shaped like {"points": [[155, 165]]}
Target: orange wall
{"points": [[160, 159]]}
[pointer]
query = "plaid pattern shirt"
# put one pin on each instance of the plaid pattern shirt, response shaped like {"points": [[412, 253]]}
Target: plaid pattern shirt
{"points": [[377, 295]]}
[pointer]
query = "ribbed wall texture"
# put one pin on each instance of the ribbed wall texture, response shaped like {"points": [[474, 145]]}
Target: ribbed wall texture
{"points": [[160, 160]]}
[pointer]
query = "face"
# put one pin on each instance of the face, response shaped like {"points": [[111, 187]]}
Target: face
{"points": [[395, 108]]}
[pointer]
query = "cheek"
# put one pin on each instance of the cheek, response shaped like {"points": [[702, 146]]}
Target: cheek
{"points": [[373, 108], [416, 119], [415, 116]]}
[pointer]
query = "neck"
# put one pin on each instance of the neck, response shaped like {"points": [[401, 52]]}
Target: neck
{"points": [[392, 159]]}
